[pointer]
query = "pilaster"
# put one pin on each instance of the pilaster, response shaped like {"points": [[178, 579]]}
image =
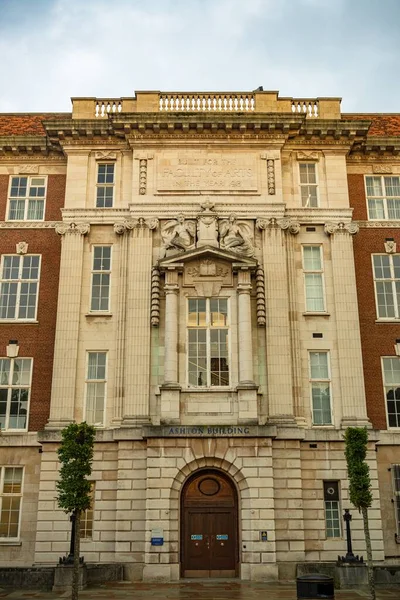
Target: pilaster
{"points": [[137, 336], [247, 389], [347, 323], [67, 327], [279, 367], [170, 390]]}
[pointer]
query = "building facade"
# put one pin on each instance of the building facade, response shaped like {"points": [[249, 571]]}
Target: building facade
{"points": [[208, 326]]}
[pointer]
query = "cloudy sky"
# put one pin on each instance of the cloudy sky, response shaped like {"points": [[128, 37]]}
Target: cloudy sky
{"points": [[54, 49]]}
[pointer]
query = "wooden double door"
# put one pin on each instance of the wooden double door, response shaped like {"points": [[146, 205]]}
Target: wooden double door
{"points": [[209, 540]]}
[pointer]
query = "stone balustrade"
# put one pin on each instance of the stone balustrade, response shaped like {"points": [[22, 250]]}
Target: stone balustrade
{"points": [[307, 107], [210, 102]]}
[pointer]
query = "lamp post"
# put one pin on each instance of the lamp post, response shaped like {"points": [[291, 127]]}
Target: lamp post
{"points": [[349, 558]]}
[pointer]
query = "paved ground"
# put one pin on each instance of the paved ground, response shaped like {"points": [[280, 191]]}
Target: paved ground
{"points": [[193, 590]]}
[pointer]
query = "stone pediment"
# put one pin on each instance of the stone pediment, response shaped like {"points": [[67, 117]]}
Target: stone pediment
{"points": [[207, 253]]}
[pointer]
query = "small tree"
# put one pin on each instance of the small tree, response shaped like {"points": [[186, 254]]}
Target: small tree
{"points": [[75, 455], [356, 440]]}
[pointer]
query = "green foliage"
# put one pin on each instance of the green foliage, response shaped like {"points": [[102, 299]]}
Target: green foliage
{"points": [[75, 455], [356, 440]]}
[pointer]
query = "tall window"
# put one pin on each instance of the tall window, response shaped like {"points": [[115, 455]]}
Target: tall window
{"points": [[387, 285], [101, 273], [313, 278], [10, 501], [87, 517], [396, 492], [320, 388], [391, 383], [105, 185], [15, 382], [208, 352], [332, 509], [19, 284], [383, 197], [308, 185], [26, 198], [96, 387]]}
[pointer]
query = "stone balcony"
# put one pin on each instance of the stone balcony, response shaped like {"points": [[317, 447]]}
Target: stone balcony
{"points": [[206, 102]]}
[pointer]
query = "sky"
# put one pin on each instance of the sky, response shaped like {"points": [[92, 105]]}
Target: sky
{"points": [[52, 50]]}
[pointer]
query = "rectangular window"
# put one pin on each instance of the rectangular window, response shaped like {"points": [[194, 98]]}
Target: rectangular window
{"points": [[383, 197], [391, 383], [96, 387], [105, 185], [26, 198], [320, 388], [101, 273], [87, 517], [208, 334], [313, 279], [308, 185], [387, 285], [15, 383], [19, 283], [332, 509], [10, 501]]}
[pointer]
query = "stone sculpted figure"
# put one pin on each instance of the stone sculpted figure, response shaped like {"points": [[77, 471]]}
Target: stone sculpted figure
{"points": [[178, 234], [236, 236]]}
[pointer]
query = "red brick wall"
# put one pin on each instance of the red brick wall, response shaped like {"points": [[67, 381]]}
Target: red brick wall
{"points": [[36, 340], [377, 339]]}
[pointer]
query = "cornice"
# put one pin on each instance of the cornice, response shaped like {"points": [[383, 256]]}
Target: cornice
{"points": [[28, 224], [378, 145], [320, 216], [26, 144], [379, 224]]}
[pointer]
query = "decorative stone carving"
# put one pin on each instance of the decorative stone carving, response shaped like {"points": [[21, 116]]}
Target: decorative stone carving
{"points": [[142, 176], [207, 228], [302, 155], [28, 169], [127, 225], [382, 169], [260, 290], [236, 236], [105, 155], [390, 246], [155, 297], [72, 228], [271, 176], [208, 268], [286, 224], [21, 248], [178, 235], [332, 228]]}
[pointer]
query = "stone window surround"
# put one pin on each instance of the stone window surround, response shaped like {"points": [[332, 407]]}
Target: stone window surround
{"points": [[321, 380], [105, 185], [322, 272], [314, 163], [101, 311], [385, 385], [27, 197], [96, 381], [10, 386], [383, 197], [19, 281], [16, 539], [393, 281]]}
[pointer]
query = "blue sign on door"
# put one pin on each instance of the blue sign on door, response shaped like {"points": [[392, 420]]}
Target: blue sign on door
{"points": [[196, 536], [222, 536]]}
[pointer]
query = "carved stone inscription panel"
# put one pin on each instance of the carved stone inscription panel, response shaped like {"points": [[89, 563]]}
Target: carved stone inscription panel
{"points": [[204, 171]]}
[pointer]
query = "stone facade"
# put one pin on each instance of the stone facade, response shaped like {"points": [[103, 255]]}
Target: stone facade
{"points": [[240, 212]]}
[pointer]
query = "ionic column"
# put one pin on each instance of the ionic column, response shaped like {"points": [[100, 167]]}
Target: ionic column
{"points": [[279, 363], [67, 325], [246, 375], [122, 230], [351, 376], [171, 289], [137, 334]]}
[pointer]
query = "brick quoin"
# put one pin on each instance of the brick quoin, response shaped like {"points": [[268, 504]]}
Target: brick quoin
{"points": [[36, 340], [377, 339]]}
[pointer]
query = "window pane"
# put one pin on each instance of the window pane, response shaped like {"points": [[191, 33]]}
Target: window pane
{"points": [[4, 371], [18, 409], [314, 292], [11, 267], [18, 187], [312, 258], [381, 266], [35, 210], [392, 186], [95, 403], [8, 300], [376, 209], [319, 365], [16, 211], [321, 404], [101, 258], [96, 365], [12, 480], [374, 186], [391, 371]]}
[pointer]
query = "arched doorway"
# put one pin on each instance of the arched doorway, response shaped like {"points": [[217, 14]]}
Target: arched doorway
{"points": [[209, 526]]}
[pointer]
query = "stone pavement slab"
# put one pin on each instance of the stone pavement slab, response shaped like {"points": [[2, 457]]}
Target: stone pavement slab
{"points": [[193, 590]]}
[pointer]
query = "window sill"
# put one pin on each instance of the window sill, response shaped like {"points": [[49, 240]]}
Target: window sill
{"points": [[17, 322], [208, 389], [98, 314], [5, 542], [383, 321], [330, 426], [25, 220], [316, 314]]}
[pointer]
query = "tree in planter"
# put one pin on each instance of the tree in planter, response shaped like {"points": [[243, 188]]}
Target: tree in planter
{"points": [[356, 442], [75, 455]]}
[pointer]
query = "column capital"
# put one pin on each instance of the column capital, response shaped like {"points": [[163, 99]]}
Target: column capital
{"points": [[72, 228], [286, 224], [341, 227], [122, 227]]}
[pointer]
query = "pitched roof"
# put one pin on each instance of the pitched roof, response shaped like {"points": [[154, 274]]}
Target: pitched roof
{"points": [[26, 124], [382, 124]]}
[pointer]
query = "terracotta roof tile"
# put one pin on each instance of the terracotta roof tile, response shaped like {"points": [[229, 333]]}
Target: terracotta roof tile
{"points": [[382, 125], [26, 124]]}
